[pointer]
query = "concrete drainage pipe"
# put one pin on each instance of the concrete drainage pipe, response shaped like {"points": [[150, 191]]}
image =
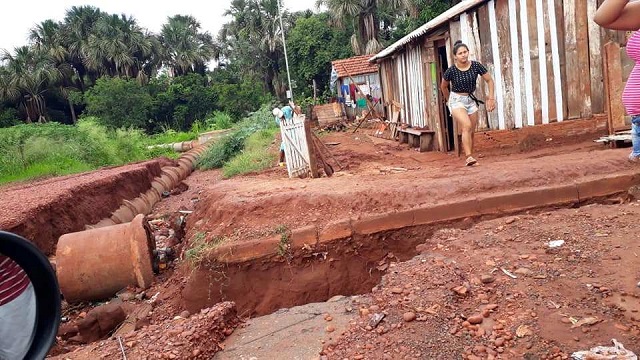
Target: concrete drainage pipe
{"points": [[97, 263], [170, 177]]}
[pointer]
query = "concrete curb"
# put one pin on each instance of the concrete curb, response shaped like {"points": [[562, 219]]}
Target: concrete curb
{"points": [[482, 205]]}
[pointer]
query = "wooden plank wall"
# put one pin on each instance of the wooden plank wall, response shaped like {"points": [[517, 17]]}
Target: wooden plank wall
{"points": [[544, 55]]}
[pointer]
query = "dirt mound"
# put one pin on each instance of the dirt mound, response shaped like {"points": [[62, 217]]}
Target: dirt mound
{"points": [[195, 337], [42, 211]]}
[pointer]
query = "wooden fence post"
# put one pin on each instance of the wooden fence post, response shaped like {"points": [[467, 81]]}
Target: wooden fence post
{"points": [[310, 145], [613, 88]]}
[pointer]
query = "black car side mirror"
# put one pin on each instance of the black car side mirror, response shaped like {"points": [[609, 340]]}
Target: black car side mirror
{"points": [[29, 300]]}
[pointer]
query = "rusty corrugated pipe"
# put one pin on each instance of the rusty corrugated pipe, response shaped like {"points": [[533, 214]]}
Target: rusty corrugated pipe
{"points": [[97, 263]]}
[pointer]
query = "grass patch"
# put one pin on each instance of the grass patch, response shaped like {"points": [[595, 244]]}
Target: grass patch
{"points": [[32, 151], [201, 246], [284, 245], [258, 154]]}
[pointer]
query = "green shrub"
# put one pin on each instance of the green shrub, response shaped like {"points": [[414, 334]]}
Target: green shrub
{"points": [[222, 151], [255, 156]]}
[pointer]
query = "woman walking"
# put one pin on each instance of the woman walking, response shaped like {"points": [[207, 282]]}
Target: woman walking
{"points": [[463, 105], [625, 15]]}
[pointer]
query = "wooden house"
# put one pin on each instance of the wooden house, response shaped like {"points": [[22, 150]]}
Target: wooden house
{"points": [[546, 57], [366, 77]]}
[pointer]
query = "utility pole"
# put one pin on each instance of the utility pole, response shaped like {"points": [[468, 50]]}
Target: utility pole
{"points": [[286, 59]]}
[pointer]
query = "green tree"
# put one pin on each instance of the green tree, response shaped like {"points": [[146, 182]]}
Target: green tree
{"points": [[180, 101], [404, 24], [186, 48], [46, 37], [119, 103], [313, 44], [254, 40], [236, 91], [365, 15], [27, 75]]}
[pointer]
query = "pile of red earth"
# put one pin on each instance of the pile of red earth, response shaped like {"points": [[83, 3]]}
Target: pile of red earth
{"points": [[197, 336]]}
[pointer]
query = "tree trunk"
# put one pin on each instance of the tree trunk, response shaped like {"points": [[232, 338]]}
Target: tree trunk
{"points": [[73, 111]]}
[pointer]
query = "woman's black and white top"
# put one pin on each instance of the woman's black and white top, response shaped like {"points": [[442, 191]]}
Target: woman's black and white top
{"points": [[464, 81]]}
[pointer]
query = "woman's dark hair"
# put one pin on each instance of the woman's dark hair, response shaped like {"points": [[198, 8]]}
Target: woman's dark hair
{"points": [[457, 45]]}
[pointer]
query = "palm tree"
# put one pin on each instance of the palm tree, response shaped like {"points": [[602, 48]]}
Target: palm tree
{"points": [[46, 37], [118, 46], [255, 37], [187, 49], [78, 25], [27, 75], [366, 19]]}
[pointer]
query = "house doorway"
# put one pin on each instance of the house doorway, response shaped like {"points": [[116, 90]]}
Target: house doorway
{"points": [[448, 127]]}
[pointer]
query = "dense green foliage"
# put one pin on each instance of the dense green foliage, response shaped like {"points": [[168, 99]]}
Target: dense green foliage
{"points": [[119, 103], [225, 149]]}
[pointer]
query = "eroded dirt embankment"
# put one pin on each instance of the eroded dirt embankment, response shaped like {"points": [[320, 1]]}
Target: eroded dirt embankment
{"points": [[42, 211]]}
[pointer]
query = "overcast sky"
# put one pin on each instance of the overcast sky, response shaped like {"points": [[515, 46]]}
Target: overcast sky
{"points": [[18, 17]]}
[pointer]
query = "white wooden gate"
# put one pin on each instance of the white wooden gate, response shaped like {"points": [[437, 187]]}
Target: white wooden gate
{"points": [[296, 147]]}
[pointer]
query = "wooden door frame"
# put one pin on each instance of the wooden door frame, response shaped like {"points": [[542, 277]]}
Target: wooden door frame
{"points": [[438, 43]]}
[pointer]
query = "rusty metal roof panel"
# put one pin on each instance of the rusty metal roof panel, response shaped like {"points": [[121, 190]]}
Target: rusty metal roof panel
{"points": [[437, 21]]}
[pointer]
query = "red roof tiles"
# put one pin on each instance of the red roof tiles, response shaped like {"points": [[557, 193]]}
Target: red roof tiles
{"points": [[357, 65]]}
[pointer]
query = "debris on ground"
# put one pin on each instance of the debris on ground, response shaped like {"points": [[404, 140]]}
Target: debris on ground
{"points": [[615, 352]]}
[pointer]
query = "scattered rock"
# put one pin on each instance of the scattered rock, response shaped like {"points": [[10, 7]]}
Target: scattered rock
{"points": [[409, 316], [487, 279], [511, 220], [396, 290], [475, 319], [523, 271], [331, 329], [621, 327], [461, 290]]}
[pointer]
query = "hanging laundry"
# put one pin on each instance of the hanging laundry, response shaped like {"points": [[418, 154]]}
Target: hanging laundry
{"points": [[345, 90], [352, 90], [362, 103]]}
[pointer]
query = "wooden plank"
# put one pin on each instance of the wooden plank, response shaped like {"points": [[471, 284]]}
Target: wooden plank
{"points": [[500, 85], [574, 98], [470, 36], [613, 83], [559, 16], [313, 166], [508, 63], [595, 59], [551, 48], [556, 49], [582, 42], [526, 72], [543, 61], [484, 34], [454, 32], [516, 69], [537, 76]]}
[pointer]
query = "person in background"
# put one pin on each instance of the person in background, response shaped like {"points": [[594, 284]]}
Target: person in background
{"points": [[462, 77], [625, 15], [17, 310]]}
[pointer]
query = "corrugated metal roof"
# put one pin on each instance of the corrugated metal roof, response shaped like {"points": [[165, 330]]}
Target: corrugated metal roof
{"points": [[357, 65], [437, 21]]}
